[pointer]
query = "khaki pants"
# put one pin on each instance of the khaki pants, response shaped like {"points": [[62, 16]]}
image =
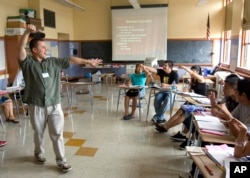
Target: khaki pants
{"points": [[53, 116]]}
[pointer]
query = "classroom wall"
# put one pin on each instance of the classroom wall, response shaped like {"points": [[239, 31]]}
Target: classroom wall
{"points": [[182, 18], [186, 21], [95, 22]]}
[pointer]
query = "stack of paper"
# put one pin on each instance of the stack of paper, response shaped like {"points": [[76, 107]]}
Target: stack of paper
{"points": [[203, 100], [210, 123], [12, 88], [218, 153], [222, 155]]}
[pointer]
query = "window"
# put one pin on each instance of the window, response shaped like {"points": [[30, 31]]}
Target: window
{"points": [[245, 59], [49, 18], [227, 47]]}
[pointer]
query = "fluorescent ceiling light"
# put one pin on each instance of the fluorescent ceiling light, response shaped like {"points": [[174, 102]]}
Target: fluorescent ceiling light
{"points": [[71, 4], [201, 3], [135, 4]]}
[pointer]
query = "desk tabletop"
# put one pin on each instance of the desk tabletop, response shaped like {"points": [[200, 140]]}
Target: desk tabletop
{"points": [[207, 80], [80, 83], [214, 138], [201, 160], [131, 87], [194, 102]]}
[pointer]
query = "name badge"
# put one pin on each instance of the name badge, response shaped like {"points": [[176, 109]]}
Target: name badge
{"points": [[45, 75]]}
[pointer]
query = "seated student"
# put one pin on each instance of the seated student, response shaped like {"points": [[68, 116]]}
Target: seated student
{"points": [[229, 101], [138, 78], [162, 98], [198, 85], [7, 106], [242, 111], [230, 85]]}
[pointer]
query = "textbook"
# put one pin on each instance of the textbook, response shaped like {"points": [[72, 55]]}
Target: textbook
{"points": [[210, 123]]}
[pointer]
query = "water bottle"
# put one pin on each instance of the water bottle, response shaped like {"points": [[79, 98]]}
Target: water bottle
{"points": [[173, 86]]}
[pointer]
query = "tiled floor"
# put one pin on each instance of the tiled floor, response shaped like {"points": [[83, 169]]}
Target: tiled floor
{"points": [[99, 145]]}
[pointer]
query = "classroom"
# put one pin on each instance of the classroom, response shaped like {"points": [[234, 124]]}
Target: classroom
{"points": [[99, 140]]}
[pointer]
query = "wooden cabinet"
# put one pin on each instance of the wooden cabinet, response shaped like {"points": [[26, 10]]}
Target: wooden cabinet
{"points": [[11, 56]]}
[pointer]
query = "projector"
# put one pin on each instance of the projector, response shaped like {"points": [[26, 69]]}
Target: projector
{"points": [[151, 62]]}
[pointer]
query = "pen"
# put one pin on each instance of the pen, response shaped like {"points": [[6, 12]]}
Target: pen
{"points": [[209, 170]]}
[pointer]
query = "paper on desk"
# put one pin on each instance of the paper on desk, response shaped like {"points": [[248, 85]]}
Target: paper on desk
{"points": [[213, 132], [193, 95], [203, 100], [206, 113], [3, 92], [206, 118], [218, 153], [223, 155], [215, 126], [12, 88]]}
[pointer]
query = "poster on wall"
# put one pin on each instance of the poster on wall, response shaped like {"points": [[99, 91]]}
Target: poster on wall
{"points": [[52, 48]]}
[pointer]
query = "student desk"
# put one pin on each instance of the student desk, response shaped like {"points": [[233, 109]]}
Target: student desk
{"points": [[211, 138], [194, 102], [72, 85], [200, 160], [187, 76]]}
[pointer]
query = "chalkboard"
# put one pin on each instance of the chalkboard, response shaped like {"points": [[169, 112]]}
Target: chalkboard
{"points": [[190, 51], [179, 51], [100, 49]]}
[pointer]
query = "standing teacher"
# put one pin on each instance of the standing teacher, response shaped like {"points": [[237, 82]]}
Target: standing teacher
{"points": [[42, 93]]}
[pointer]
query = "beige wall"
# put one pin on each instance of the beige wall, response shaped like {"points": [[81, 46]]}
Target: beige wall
{"points": [[185, 19], [64, 19], [9, 8]]}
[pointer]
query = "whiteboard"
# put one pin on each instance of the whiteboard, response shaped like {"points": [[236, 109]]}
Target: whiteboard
{"points": [[2, 55]]}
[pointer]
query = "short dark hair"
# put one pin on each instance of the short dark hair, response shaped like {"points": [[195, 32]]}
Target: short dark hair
{"points": [[170, 63], [243, 86], [232, 80], [33, 43]]}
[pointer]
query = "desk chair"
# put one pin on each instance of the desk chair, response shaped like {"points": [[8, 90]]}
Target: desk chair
{"points": [[122, 92]]}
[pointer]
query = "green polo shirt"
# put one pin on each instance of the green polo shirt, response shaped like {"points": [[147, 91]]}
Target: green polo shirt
{"points": [[42, 80]]}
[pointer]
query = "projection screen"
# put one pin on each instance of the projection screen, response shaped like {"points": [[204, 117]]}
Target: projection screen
{"points": [[139, 33]]}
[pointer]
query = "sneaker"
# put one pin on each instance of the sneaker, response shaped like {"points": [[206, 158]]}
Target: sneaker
{"points": [[40, 159], [2, 143], [178, 137], [127, 117], [160, 128], [183, 145], [160, 121], [64, 167]]}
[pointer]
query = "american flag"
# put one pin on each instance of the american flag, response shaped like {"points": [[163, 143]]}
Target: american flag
{"points": [[208, 28]]}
